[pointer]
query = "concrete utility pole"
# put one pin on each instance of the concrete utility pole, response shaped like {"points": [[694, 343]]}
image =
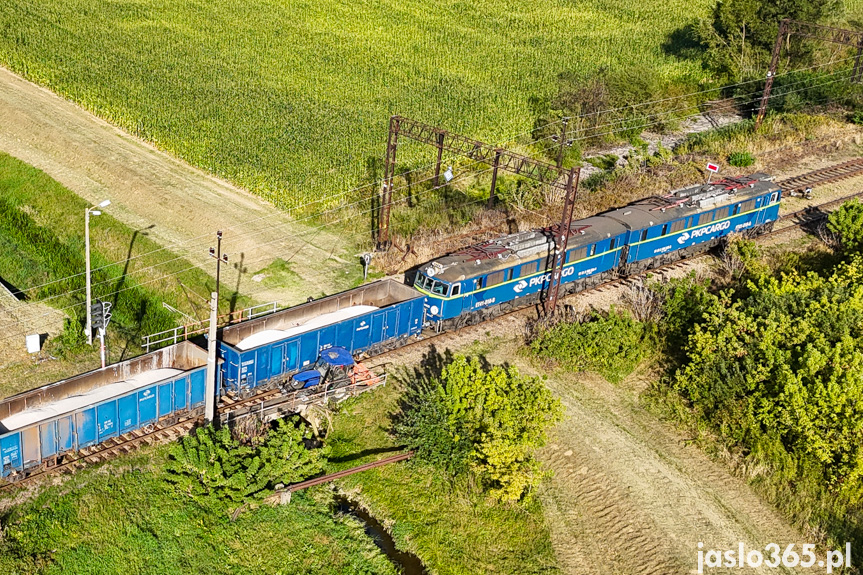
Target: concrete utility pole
{"points": [[95, 211], [210, 405], [210, 400]]}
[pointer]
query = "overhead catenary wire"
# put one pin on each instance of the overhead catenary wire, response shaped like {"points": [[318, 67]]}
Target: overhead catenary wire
{"points": [[18, 334], [466, 174]]}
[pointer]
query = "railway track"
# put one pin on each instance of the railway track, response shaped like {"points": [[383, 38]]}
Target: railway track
{"points": [[231, 407], [274, 398], [799, 184], [122, 444]]}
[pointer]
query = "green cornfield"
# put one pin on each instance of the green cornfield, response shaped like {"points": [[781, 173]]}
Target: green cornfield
{"points": [[290, 98]]}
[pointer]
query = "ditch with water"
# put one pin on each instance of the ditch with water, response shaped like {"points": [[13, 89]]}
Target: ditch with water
{"points": [[406, 563]]}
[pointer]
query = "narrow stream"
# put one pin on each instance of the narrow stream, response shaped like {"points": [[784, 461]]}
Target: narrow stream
{"points": [[406, 563]]}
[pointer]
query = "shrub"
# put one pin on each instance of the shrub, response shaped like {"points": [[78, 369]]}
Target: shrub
{"points": [[611, 344], [741, 159], [683, 303], [784, 367], [847, 223], [486, 421], [211, 462]]}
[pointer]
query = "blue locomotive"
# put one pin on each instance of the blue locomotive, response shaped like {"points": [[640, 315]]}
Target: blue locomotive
{"points": [[37, 428], [472, 284]]}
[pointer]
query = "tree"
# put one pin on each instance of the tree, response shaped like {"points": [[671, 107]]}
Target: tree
{"points": [[486, 421], [739, 35], [847, 223]]}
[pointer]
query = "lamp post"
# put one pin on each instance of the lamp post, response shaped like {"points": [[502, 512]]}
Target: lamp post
{"points": [[95, 211]]}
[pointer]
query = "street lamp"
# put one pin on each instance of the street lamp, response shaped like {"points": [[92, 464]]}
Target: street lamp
{"points": [[95, 211]]}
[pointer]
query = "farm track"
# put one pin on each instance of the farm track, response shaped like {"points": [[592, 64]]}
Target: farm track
{"points": [[630, 495], [178, 205]]}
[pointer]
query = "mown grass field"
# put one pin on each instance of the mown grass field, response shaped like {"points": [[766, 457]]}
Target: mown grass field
{"points": [[128, 520], [290, 99]]}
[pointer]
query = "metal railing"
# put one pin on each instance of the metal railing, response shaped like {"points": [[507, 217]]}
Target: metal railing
{"points": [[183, 332]]}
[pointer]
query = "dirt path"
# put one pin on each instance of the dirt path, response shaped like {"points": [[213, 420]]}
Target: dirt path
{"points": [[146, 186], [629, 495]]}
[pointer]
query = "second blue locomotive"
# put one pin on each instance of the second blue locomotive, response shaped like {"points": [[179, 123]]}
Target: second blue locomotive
{"points": [[474, 283]]}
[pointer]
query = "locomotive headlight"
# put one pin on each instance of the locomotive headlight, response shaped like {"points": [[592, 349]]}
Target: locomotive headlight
{"points": [[434, 309]]}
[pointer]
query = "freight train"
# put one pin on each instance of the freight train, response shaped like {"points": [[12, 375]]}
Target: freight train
{"points": [[39, 427]]}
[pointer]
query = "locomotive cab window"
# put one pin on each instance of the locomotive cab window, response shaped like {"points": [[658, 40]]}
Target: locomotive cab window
{"points": [[611, 244], [456, 289], [736, 210], [774, 196], [664, 229], [644, 235], [593, 249]]}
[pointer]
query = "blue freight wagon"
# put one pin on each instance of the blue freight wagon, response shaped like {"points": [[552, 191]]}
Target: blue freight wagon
{"points": [[370, 318], [38, 427]]}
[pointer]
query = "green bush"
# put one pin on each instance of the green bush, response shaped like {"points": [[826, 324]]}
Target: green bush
{"points": [[847, 223], [683, 303], [741, 159], [213, 462], [488, 421], [784, 368], [611, 344]]}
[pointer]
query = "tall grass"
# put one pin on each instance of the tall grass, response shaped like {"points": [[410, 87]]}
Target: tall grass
{"points": [[289, 99], [130, 520]]}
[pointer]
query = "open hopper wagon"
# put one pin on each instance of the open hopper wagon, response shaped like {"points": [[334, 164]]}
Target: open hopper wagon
{"points": [[370, 318], [37, 427]]}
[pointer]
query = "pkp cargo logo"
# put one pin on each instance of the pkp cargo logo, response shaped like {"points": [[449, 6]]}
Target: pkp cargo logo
{"points": [[519, 287], [681, 239]]}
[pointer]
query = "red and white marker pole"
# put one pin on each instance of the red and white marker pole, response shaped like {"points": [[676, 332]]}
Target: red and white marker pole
{"points": [[712, 169]]}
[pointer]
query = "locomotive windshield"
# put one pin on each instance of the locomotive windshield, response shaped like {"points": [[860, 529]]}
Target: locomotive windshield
{"points": [[431, 285]]}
